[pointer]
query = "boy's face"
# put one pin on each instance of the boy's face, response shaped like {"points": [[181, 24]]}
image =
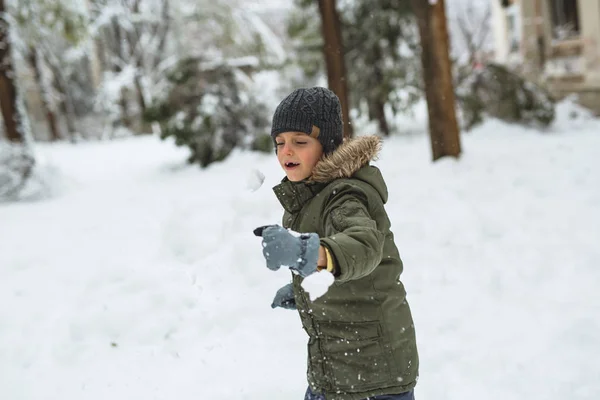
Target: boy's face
{"points": [[298, 153]]}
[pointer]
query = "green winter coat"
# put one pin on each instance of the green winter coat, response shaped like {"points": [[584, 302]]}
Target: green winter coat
{"points": [[361, 333]]}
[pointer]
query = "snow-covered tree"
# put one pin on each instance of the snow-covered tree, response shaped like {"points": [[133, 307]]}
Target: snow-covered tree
{"points": [[471, 37], [46, 28], [380, 40], [209, 108], [128, 44], [383, 41], [16, 156], [498, 92], [484, 88], [137, 41]]}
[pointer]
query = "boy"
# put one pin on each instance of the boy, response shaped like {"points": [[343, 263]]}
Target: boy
{"points": [[361, 334]]}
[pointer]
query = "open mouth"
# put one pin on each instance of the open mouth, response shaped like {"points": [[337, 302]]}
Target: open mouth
{"points": [[291, 165]]}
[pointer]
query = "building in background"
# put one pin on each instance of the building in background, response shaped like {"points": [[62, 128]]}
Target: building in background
{"points": [[554, 42]]}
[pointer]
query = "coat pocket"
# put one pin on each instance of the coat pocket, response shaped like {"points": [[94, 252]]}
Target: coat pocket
{"points": [[354, 356]]}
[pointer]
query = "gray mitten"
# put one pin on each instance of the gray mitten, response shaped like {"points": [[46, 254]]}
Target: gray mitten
{"points": [[299, 252], [284, 298]]}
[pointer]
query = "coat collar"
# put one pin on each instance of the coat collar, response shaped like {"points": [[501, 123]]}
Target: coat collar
{"points": [[294, 195], [348, 158]]}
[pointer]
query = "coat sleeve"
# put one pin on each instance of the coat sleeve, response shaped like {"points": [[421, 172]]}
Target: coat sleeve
{"points": [[351, 234]]}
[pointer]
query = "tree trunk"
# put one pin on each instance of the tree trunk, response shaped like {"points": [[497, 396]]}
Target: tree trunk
{"points": [[119, 39], [44, 95], [133, 36], [98, 63], [13, 120], [66, 104], [334, 58], [94, 55], [379, 101], [68, 111], [140, 95], [67, 107], [380, 114], [437, 75], [164, 30]]}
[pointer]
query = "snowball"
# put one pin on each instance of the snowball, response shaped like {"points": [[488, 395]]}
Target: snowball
{"points": [[255, 180], [294, 233], [317, 284]]}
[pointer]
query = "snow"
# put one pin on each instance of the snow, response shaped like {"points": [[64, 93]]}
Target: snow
{"points": [[317, 284], [142, 278]]}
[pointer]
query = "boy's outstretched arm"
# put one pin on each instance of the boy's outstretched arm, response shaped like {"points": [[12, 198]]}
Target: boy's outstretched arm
{"points": [[352, 236]]}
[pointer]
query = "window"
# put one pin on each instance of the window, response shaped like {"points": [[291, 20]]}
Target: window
{"points": [[565, 19]]}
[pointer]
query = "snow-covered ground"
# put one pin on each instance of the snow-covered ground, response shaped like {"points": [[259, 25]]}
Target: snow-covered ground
{"points": [[142, 279]]}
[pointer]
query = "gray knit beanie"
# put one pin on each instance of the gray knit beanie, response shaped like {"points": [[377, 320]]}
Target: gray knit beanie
{"points": [[308, 107]]}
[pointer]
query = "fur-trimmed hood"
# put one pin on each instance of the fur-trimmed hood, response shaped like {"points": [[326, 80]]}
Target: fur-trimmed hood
{"points": [[351, 160], [347, 159]]}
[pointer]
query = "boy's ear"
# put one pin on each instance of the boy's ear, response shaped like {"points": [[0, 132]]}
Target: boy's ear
{"points": [[316, 131]]}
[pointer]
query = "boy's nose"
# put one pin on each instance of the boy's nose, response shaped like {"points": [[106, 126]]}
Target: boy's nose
{"points": [[287, 149]]}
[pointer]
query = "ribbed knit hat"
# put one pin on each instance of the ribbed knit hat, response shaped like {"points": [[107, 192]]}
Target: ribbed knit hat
{"points": [[308, 107]]}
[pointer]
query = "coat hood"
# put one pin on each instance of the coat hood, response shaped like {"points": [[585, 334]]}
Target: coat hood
{"points": [[351, 160]]}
